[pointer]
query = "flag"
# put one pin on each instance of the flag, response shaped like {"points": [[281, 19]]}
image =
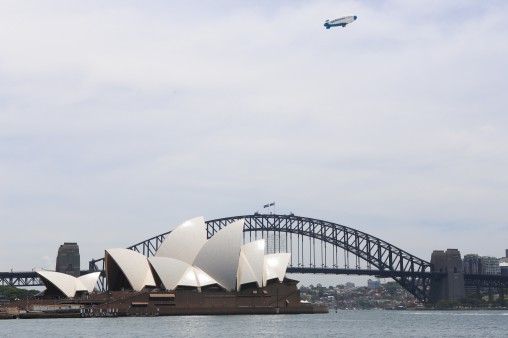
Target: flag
{"points": [[272, 204], [266, 205]]}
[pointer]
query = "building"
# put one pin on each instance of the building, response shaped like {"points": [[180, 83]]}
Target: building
{"points": [[505, 258], [67, 260], [489, 266], [484, 265], [374, 284], [187, 260], [188, 275], [504, 268], [471, 263]]}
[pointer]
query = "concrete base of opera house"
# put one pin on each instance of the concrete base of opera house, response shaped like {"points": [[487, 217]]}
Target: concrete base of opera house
{"points": [[275, 298]]}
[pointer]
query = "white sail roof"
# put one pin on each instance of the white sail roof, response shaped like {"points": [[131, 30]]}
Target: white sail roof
{"points": [[63, 282], [244, 274], [189, 278], [68, 284], [204, 279], [195, 277], [169, 270], [185, 241], [219, 255], [89, 280], [275, 266], [134, 266], [174, 272], [251, 262]]}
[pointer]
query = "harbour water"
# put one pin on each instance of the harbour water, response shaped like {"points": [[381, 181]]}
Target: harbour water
{"points": [[341, 324]]}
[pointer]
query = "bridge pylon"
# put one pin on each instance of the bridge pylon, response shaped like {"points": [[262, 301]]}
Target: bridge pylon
{"points": [[449, 285]]}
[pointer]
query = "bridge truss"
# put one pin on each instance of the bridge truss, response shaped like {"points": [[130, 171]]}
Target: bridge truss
{"points": [[322, 247], [491, 281], [24, 278]]}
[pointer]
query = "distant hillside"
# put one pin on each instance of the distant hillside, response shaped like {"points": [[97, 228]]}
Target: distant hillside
{"points": [[11, 293]]}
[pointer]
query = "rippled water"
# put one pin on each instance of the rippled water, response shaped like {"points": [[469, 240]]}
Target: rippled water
{"points": [[342, 324]]}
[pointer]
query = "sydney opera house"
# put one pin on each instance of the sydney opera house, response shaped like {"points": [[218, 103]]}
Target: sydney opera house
{"points": [[189, 274]]}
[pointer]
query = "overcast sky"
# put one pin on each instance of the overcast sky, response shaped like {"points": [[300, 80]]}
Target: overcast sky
{"points": [[121, 119]]}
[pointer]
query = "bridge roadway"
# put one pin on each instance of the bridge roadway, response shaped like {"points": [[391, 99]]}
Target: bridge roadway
{"points": [[30, 278], [316, 247]]}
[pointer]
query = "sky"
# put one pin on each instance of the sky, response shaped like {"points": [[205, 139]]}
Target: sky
{"points": [[119, 120]]}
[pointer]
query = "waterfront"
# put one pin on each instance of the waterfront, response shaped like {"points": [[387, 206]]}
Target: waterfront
{"points": [[341, 324]]}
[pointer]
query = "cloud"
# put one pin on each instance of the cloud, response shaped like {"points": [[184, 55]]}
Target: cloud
{"points": [[123, 119]]}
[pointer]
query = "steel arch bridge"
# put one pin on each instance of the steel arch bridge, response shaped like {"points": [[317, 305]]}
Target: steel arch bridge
{"points": [[321, 247]]}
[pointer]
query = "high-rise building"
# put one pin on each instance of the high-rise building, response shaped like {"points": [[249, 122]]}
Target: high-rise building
{"points": [[471, 263], [504, 268], [484, 265], [68, 260], [275, 242], [489, 266]]}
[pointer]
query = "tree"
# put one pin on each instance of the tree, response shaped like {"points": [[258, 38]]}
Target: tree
{"points": [[501, 302], [12, 293], [391, 288]]}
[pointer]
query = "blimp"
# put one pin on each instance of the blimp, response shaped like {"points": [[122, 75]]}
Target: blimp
{"points": [[340, 21]]}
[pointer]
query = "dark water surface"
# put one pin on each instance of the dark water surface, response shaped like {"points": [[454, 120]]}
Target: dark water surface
{"points": [[342, 324]]}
